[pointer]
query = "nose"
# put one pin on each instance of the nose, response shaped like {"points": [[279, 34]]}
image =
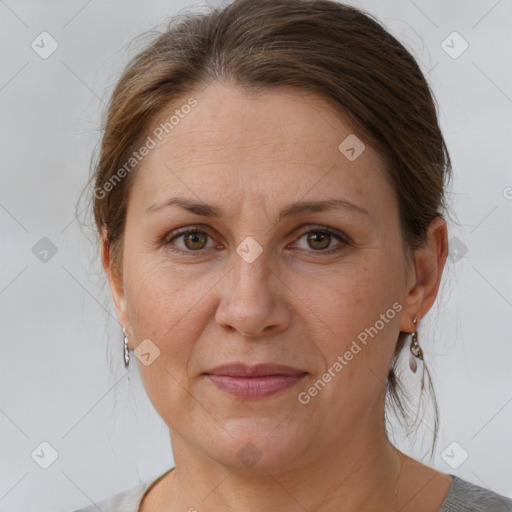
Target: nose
{"points": [[252, 301]]}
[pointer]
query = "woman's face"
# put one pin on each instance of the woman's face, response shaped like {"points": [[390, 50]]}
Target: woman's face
{"points": [[269, 278]]}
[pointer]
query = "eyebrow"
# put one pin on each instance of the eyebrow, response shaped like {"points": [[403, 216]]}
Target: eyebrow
{"points": [[291, 210]]}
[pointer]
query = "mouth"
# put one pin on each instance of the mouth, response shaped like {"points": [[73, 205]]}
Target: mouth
{"points": [[253, 382]]}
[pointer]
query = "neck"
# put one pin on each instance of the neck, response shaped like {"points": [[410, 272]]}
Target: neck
{"points": [[360, 474]]}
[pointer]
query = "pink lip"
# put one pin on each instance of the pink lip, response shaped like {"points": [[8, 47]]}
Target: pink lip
{"points": [[254, 381]]}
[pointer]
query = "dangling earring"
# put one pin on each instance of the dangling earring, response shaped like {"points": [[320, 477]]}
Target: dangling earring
{"points": [[415, 348], [126, 350], [416, 353]]}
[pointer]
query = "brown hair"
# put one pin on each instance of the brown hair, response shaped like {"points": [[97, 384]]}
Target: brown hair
{"points": [[320, 46]]}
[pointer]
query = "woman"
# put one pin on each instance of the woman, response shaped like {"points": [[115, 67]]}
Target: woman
{"points": [[270, 197]]}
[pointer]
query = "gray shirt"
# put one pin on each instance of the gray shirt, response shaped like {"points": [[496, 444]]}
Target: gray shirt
{"points": [[463, 496]]}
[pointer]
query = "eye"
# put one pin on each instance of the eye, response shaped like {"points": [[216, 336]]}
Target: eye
{"points": [[193, 240], [320, 240]]}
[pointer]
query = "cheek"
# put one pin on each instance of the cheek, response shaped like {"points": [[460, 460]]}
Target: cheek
{"points": [[359, 310], [163, 305], [359, 316], [167, 305], [354, 299], [160, 295]]}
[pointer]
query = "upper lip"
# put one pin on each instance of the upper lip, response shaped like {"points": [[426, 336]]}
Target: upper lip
{"points": [[259, 370]]}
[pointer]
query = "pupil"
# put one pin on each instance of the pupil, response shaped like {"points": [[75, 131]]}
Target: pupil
{"points": [[314, 239], [194, 238]]}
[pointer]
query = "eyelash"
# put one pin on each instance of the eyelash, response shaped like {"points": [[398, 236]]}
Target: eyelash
{"points": [[343, 241]]}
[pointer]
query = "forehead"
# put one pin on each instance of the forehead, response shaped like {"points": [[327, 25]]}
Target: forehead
{"points": [[280, 141], [227, 117]]}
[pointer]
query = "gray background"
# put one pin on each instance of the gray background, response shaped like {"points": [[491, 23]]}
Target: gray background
{"points": [[61, 374]]}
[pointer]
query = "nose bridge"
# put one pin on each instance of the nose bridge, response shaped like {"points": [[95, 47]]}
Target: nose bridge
{"points": [[252, 274], [252, 254], [250, 303]]}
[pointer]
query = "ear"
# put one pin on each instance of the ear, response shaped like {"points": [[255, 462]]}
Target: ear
{"points": [[429, 263], [115, 279]]}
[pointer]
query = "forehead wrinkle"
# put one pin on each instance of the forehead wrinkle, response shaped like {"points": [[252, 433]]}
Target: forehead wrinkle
{"points": [[252, 143]]}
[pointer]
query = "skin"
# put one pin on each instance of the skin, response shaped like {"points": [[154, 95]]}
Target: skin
{"points": [[252, 155]]}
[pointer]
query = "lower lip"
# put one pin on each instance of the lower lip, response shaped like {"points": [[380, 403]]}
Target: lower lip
{"points": [[255, 387]]}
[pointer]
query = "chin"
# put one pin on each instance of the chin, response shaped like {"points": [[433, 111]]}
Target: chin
{"points": [[259, 445]]}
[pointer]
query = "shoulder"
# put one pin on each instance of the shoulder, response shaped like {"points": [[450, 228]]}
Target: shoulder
{"points": [[465, 496], [125, 501]]}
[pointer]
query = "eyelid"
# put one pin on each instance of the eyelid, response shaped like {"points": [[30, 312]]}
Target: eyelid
{"points": [[319, 227], [187, 229]]}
